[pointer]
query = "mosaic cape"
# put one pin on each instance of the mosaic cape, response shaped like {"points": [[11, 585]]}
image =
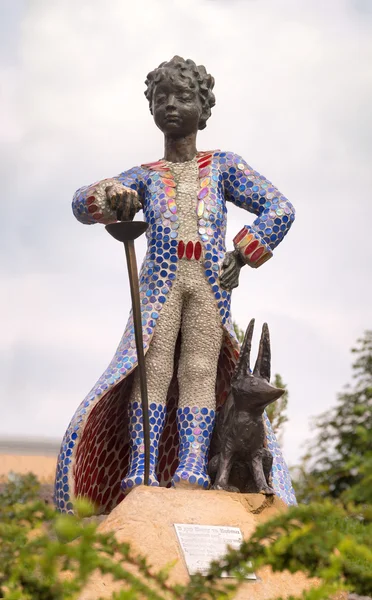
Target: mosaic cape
{"points": [[95, 449]]}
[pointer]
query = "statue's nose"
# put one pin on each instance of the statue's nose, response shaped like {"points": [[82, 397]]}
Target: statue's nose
{"points": [[171, 101]]}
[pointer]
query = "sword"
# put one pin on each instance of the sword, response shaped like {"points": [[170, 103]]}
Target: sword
{"points": [[126, 232]]}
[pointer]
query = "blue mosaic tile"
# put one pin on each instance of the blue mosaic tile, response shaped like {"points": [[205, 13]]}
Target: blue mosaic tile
{"points": [[195, 427], [281, 479], [136, 471]]}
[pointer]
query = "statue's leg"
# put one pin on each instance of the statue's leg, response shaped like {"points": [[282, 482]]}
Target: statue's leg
{"points": [[200, 348], [259, 476], [159, 370], [224, 470]]}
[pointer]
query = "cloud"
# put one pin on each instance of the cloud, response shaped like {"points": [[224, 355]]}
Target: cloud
{"points": [[293, 88]]}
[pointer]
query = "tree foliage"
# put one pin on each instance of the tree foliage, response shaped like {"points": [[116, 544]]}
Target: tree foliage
{"points": [[277, 411], [337, 458]]}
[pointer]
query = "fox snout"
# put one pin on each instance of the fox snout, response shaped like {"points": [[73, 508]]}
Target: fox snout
{"points": [[255, 392]]}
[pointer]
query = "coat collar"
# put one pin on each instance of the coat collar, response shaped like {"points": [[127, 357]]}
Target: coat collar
{"points": [[203, 159]]}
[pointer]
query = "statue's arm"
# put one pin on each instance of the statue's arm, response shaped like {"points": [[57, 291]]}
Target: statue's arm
{"points": [[275, 214], [110, 200]]}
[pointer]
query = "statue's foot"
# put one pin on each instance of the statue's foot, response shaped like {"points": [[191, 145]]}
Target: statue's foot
{"points": [[195, 426], [137, 478], [226, 488], [188, 478], [268, 491]]}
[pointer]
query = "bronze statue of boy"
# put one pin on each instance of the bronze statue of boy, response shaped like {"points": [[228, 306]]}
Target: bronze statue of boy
{"points": [[185, 287]]}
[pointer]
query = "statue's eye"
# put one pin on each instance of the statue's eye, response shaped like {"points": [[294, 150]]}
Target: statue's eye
{"points": [[184, 97]]}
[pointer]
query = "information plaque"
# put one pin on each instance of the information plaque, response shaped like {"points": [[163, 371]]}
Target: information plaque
{"points": [[201, 544]]}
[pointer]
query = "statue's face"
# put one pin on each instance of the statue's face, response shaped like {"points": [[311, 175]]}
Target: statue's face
{"points": [[176, 107]]}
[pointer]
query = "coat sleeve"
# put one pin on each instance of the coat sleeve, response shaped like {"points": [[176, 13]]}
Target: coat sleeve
{"points": [[275, 214], [89, 203]]}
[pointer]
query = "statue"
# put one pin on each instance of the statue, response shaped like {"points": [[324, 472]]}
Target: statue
{"points": [[240, 462], [185, 289]]}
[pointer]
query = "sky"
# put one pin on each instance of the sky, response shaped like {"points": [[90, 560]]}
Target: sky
{"points": [[294, 98]]}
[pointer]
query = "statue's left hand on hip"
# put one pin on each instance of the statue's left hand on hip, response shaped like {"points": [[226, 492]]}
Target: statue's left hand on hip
{"points": [[229, 278]]}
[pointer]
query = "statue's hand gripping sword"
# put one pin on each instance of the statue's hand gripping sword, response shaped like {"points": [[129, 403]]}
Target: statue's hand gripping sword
{"points": [[127, 232]]}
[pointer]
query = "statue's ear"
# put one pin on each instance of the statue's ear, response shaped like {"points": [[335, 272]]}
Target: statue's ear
{"points": [[262, 367], [243, 367]]}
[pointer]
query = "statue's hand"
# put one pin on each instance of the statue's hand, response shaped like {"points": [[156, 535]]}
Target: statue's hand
{"points": [[123, 200], [232, 263]]}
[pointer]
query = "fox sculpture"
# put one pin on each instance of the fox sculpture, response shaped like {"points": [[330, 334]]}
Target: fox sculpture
{"points": [[239, 460]]}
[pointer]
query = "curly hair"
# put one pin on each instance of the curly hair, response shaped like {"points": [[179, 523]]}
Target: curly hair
{"points": [[196, 76]]}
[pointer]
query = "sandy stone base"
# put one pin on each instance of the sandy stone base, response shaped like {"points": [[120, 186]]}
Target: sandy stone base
{"points": [[146, 518]]}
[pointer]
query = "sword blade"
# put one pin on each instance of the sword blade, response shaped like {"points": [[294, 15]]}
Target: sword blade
{"points": [[137, 322]]}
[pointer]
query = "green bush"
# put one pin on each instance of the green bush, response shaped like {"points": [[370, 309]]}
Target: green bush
{"points": [[38, 546], [327, 540]]}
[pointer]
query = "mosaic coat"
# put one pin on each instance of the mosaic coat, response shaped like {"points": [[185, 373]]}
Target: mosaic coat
{"points": [[95, 450]]}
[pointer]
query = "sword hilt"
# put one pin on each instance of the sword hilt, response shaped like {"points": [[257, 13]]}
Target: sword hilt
{"points": [[124, 231]]}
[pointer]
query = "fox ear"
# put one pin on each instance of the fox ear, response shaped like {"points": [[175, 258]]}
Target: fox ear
{"points": [[243, 366], [262, 367]]}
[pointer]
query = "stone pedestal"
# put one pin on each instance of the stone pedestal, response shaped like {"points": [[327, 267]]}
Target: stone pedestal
{"points": [[146, 520]]}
